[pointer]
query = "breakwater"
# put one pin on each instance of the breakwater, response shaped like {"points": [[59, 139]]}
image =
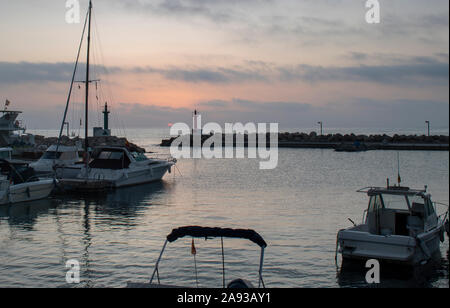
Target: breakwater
{"points": [[339, 142], [41, 144]]}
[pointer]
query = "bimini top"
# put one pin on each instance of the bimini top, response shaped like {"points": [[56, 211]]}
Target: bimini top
{"points": [[392, 190], [205, 232]]}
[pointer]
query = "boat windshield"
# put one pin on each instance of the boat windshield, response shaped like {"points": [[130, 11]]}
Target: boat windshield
{"points": [[395, 202], [110, 159], [422, 206], [139, 156]]}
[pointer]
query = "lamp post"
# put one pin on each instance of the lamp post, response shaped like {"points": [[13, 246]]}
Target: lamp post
{"points": [[428, 125], [321, 127]]}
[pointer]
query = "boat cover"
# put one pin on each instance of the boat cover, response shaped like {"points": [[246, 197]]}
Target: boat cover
{"points": [[206, 232]]}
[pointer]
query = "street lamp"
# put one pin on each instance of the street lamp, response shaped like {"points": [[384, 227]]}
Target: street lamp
{"points": [[321, 127], [428, 125]]}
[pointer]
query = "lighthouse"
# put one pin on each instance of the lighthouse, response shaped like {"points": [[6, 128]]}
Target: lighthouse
{"points": [[197, 123], [105, 131]]}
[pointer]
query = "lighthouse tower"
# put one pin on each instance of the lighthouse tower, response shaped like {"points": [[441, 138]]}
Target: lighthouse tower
{"points": [[105, 131], [197, 123]]}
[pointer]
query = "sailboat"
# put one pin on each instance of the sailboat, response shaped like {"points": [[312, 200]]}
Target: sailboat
{"points": [[107, 167]]}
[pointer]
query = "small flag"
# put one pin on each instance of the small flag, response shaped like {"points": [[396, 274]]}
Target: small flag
{"points": [[193, 250]]}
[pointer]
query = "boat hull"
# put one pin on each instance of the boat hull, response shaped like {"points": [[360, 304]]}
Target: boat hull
{"points": [[354, 244], [27, 192], [114, 178]]}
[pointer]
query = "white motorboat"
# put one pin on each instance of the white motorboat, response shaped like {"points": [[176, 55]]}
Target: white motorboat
{"points": [[19, 184], [400, 225], [116, 167], [56, 156]]}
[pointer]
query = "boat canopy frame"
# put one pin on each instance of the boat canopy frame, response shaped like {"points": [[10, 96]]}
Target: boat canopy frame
{"points": [[207, 233], [393, 190]]}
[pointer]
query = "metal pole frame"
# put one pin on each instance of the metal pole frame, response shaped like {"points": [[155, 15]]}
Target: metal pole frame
{"points": [[157, 262], [261, 262]]}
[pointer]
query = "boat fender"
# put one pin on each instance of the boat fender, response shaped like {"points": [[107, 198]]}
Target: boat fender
{"points": [[28, 192], [441, 235]]}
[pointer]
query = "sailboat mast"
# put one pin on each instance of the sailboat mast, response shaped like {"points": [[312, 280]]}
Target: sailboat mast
{"points": [[86, 143]]}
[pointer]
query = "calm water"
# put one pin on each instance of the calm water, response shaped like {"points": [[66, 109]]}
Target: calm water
{"points": [[298, 209]]}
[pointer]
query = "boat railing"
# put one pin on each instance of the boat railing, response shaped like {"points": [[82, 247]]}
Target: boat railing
{"points": [[164, 156], [366, 189], [392, 189], [445, 214], [49, 175]]}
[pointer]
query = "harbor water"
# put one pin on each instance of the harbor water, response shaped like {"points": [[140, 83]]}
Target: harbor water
{"points": [[298, 208]]}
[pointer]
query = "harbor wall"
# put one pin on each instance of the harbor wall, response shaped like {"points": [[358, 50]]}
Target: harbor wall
{"points": [[346, 142]]}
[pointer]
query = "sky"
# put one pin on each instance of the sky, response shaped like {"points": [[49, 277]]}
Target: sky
{"points": [[292, 62]]}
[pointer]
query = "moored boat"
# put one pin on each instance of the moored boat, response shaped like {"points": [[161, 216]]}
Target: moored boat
{"points": [[114, 167], [56, 156], [18, 183], [401, 225]]}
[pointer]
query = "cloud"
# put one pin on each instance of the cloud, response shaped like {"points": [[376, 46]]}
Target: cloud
{"points": [[362, 112], [397, 70], [39, 72], [413, 71], [206, 74], [217, 11], [11, 73], [417, 73], [359, 112]]}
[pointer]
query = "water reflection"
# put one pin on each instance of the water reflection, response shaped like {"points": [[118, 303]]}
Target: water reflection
{"points": [[352, 273], [125, 203], [25, 214]]}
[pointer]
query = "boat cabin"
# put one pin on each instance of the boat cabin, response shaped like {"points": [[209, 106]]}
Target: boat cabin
{"points": [[64, 153], [399, 211], [111, 158]]}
